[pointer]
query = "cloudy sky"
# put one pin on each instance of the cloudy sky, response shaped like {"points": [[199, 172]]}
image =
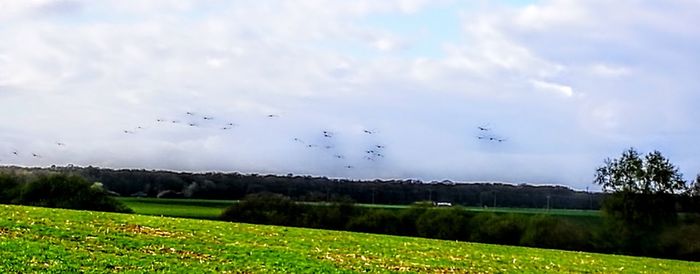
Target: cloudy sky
{"points": [[565, 84]]}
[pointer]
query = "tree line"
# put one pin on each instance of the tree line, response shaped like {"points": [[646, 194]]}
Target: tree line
{"points": [[235, 186]]}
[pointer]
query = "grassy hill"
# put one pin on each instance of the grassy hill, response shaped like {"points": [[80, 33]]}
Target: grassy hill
{"points": [[55, 240]]}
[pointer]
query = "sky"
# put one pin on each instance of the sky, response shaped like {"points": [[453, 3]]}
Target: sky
{"points": [[400, 87]]}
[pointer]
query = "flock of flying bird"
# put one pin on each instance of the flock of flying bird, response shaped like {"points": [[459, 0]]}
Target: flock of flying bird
{"points": [[371, 153], [487, 135]]}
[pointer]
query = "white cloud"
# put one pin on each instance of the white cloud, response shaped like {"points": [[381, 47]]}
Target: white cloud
{"points": [[109, 66], [609, 71], [564, 90]]}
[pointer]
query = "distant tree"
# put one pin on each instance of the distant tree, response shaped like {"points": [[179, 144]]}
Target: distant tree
{"points": [[652, 175], [693, 194], [642, 188], [694, 188], [642, 200], [66, 191]]}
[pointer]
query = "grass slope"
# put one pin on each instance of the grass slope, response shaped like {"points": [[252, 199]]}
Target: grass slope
{"points": [[58, 241]]}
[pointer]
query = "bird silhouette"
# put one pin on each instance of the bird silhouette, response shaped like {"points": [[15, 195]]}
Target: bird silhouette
{"points": [[60, 144], [208, 118], [380, 146], [160, 120], [36, 155], [128, 131], [272, 116], [190, 113], [483, 128], [368, 131], [349, 167]]}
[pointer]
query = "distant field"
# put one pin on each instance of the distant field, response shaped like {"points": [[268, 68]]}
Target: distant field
{"points": [[211, 209], [186, 208], [41, 240]]}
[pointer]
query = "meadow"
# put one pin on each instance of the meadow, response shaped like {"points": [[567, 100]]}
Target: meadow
{"points": [[211, 209], [58, 240]]}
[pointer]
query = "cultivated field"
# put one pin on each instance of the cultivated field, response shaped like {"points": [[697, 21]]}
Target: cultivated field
{"points": [[55, 240], [211, 209]]}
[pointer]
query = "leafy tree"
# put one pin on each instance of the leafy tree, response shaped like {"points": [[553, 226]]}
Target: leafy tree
{"points": [[694, 189], [693, 194], [642, 188], [642, 201], [652, 175]]}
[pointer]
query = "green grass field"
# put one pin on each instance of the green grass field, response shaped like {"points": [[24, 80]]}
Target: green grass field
{"points": [[58, 241], [211, 209], [186, 208]]}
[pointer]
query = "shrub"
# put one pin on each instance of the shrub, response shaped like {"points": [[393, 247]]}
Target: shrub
{"points": [[9, 187], [66, 191], [447, 223], [551, 232], [682, 242], [265, 208], [375, 221], [497, 229]]}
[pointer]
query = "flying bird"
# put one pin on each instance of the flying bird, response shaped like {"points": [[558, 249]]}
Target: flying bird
{"points": [[190, 113], [349, 167], [128, 131], [160, 120], [36, 155], [60, 144], [272, 116], [483, 128], [380, 146], [192, 124], [339, 156], [368, 131], [208, 118]]}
